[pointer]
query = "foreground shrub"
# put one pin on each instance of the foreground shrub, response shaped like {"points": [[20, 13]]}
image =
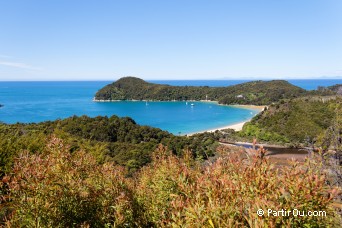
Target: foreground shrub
{"points": [[59, 189], [160, 182], [229, 191]]}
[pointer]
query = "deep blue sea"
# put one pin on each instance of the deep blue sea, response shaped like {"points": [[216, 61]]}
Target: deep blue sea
{"points": [[39, 101]]}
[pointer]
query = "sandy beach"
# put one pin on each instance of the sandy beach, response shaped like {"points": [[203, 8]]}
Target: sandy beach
{"points": [[255, 107], [236, 126]]}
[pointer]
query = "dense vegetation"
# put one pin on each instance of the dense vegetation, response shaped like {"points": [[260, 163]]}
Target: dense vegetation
{"points": [[335, 88], [301, 120], [255, 92], [115, 139], [56, 188]]}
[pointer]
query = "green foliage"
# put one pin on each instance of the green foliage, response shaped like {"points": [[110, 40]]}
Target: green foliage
{"points": [[256, 92], [330, 90], [115, 139], [330, 142], [15, 139], [253, 131], [299, 120]]}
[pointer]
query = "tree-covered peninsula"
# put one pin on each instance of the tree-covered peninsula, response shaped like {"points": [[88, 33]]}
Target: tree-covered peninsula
{"points": [[255, 92]]}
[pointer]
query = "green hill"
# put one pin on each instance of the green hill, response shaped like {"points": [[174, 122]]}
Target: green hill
{"points": [[300, 120], [255, 92], [336, 88], [108, 138]]}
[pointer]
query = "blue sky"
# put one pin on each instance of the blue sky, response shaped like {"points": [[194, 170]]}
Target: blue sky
{"points": [[171, 39]]}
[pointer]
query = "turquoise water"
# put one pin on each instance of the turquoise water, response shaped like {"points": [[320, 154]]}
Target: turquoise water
{"points": [[40, 101]]}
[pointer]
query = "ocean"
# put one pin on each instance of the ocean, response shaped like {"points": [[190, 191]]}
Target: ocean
{"points": [[40, 101], [308, 84]]}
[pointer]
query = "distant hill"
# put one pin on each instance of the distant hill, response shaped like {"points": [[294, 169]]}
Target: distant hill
{"points": [[336, 88], [255, 92]]}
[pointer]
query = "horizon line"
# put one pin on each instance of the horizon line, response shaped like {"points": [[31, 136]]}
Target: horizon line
{"points": [[215, 79]]}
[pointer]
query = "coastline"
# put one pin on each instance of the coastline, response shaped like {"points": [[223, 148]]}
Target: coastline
{"points": [[254, 107], [236, 127]]}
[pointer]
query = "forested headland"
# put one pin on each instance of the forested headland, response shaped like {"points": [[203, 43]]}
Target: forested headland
{"points": [[255, 92]]}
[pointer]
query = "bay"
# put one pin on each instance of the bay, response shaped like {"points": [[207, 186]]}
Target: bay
{"points": [[40, 101]]}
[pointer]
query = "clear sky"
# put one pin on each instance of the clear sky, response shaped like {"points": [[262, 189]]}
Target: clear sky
{"points": [[170, 39]]}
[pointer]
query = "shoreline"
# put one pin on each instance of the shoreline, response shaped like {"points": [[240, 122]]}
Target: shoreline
{"points": [[250, 106], [236, 127], [253, 107]]}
